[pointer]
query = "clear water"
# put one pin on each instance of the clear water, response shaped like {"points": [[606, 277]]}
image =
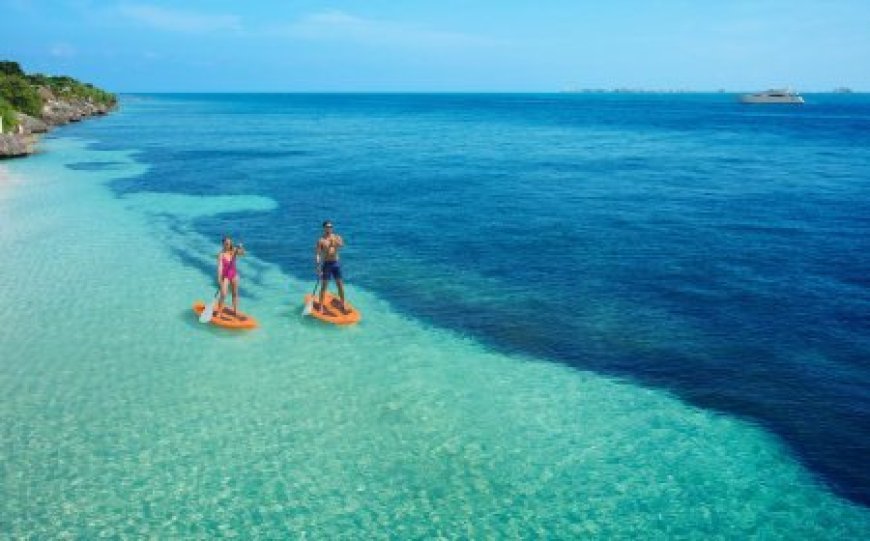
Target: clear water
{"points": [[511, 255]]}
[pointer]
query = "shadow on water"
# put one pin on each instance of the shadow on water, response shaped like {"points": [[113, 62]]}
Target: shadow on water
{"points": [[96, 166], [190, 319]]}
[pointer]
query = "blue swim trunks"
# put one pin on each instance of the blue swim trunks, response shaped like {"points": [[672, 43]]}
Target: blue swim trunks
{"points": [[331, 268]]}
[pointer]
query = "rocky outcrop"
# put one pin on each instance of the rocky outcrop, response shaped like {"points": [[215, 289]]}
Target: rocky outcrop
{"points": [[13, 144], [30, 124], [56, 111]]}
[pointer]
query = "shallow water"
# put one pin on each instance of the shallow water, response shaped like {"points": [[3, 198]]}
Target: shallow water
{"points": [[122, 415]]}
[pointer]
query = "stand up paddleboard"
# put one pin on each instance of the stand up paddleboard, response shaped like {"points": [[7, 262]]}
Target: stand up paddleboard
{"points": [[226, 318], [334, 313]]}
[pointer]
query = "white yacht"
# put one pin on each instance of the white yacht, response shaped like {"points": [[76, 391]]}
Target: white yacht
{"points": [[773, 96]]}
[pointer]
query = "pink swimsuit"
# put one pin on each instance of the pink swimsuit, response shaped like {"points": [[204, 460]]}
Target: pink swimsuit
{"points": [[229, 268]]}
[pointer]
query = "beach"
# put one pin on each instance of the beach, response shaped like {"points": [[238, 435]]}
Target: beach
{"points": [[123, 416]]}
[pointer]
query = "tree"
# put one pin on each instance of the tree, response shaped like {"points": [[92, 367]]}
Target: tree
{"points": [[7, 67], [7, 113], [20, 94]]}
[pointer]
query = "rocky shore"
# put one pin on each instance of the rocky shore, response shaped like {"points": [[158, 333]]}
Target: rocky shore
{"points": [[56, 111]]}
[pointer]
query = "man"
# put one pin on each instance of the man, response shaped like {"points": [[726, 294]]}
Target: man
{"points": [[326, 263]]}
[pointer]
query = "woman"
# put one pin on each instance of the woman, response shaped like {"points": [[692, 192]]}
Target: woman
{"points": [[227, 274]]}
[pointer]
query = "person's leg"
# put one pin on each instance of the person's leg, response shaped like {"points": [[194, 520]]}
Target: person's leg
{"points": [[235, 295], [324, 283], [223, 295], [340, 283]]}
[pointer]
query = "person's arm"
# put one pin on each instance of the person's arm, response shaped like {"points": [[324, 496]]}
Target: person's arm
{"points": [[240, 249], [338, 240]]}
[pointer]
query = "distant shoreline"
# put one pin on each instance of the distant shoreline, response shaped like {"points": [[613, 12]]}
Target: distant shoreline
{"points": [[461, 92], [33, 104], [24, 142]]}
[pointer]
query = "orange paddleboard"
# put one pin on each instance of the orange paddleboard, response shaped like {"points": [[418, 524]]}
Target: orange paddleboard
{"points": [[226, 318], [334, 313]]}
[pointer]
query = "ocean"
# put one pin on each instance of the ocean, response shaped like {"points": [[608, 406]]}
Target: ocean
{"points": [[584, 315]]}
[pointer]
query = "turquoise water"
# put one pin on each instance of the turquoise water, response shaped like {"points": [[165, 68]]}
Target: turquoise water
{"points": [[122, 416], [687, 243]]}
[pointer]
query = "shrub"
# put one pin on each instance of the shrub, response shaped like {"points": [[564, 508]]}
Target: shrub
{"points": [[20, 94], [7, 113], [66, 87], [8, 67], [38, 79]]}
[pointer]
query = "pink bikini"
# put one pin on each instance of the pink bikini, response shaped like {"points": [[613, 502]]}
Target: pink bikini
{"points": [[229, 268]]}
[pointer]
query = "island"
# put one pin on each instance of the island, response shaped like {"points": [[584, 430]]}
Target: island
{"points": [[32, 104]]}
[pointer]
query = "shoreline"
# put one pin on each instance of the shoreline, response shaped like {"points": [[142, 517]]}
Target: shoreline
{"points": [[55, 113], [33, 104]]}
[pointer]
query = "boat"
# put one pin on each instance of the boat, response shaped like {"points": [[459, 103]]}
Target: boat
{"points": [[773, 96]]}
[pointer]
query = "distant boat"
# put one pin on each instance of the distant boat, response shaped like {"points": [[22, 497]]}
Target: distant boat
{"points": [[773, 96], [843, 90]]}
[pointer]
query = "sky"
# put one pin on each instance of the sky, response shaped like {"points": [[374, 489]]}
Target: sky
{"points": [[442, 46]]}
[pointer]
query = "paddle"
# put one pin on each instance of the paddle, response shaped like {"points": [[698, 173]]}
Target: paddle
{"points": [[309, 306], [207, 312]]}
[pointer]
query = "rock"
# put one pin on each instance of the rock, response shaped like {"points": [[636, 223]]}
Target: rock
{"points": [[45, 93], [12, 145], [30, 124], [58, 111]]}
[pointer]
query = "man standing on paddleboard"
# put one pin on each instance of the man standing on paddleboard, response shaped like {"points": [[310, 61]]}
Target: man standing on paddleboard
{"points": [[326, 263]]}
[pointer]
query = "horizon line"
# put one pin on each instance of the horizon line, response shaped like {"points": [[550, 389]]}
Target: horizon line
{"points": [[578, 91]]}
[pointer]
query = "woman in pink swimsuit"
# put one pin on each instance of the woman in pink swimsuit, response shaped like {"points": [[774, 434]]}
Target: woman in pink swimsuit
{"points": [[227, 274]]}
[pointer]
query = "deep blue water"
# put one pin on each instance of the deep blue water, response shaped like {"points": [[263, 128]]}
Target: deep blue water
{"points": [[684, 242]]}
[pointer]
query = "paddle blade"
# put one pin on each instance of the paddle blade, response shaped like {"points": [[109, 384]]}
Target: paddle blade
{"points": [[309, 306], [205, 316]]}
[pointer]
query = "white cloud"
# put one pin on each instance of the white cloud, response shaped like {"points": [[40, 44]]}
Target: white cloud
{"points": [[334, 25], [179, 20]]}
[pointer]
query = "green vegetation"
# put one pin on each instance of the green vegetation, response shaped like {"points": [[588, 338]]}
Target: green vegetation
{"points": [[21, 92], [69, 88], [10, 68], [7, 113]]}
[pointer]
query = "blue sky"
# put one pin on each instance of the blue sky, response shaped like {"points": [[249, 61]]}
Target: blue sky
{"points": [[448, 45]]}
